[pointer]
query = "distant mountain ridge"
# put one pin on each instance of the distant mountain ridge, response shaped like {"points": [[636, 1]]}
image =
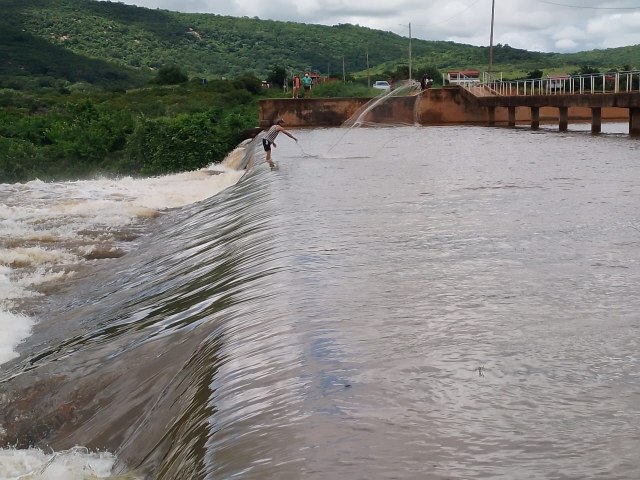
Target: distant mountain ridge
{"points": [[111, 43]]}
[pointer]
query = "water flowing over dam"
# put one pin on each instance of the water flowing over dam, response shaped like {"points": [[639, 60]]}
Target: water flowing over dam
{"points": [[394, 302]]}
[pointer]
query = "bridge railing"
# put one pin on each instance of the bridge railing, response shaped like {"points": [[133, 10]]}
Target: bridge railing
{"points": [[593, 83]]}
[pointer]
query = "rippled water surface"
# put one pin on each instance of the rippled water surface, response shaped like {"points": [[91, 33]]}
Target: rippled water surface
{"points": [[478, 291], [413, 303]]}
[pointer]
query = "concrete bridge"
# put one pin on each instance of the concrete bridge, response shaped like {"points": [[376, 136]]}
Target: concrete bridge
{"points": [[618, 90], [498, 103]]}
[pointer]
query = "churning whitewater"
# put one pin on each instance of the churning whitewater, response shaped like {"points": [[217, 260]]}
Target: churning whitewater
{"points": [[52, 232]]}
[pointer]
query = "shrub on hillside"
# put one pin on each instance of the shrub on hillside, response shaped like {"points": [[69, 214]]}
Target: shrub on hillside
{"points": [[19, 160], [171, 75], [249, 82]]}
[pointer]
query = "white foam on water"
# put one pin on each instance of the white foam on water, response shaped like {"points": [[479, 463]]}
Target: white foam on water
{"points": [[177, 190], [10, 290], [74, 464], [47, 228], [15, 328], [32, 256]]}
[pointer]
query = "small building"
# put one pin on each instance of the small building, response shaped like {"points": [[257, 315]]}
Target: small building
{"points": [[316, 77], [557, 82], [464, 78]]}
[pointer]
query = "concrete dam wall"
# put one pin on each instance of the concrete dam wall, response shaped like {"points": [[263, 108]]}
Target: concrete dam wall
{"points": [[442, 106]]}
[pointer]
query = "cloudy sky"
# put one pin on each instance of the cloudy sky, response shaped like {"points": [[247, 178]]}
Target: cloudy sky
{"points": [[535, 25]]}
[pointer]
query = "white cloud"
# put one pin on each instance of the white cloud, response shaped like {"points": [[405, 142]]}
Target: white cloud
{"points": [[566, 44]]}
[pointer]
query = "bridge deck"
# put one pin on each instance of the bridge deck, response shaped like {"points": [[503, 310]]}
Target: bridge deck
{"points": [[485, 98]]}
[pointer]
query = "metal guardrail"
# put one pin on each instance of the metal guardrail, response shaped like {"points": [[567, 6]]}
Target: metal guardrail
{"points": [[594, 83]]}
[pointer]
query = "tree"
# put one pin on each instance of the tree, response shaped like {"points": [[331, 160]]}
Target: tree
{"points": [[249, 82], [432, 72], [535, 74], [171, 75], [588, 70], [277, 76]]}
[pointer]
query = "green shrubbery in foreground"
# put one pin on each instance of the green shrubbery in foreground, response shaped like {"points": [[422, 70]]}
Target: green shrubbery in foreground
{"points": [[150, 131]]}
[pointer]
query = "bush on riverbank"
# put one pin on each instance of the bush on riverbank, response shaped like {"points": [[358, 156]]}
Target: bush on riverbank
{"points": [[150, 131]]}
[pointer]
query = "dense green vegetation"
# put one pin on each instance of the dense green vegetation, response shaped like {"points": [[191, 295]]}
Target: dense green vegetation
{"points": [[92, 87], [149, 131]]}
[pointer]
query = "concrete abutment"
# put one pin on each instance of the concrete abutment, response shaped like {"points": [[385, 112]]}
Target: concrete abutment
{"points": [[456, 106], [634, 121], [596, 120]]}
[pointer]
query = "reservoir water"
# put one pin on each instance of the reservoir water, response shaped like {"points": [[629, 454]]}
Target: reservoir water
{"points": [[402, 302]]}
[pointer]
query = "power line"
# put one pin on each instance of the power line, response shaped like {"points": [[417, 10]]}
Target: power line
{"points": [[587, 8]]}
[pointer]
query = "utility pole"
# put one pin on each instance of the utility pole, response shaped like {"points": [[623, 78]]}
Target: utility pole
{"points": [[344, 76], [410, 77], [493, 8], [368, 75]]}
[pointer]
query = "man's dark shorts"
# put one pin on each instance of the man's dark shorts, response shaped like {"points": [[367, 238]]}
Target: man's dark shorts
{"points": [[266, 144]]}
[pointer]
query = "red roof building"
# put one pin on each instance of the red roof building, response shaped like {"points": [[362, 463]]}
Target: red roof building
{"points": [[463, 77]]}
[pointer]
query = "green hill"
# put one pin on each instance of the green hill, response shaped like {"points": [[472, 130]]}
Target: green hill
{"points": [[30, 61], [117, 45]]}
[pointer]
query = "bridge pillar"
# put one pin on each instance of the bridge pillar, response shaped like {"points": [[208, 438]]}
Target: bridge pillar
{"points": [[535, 118], [512, 116], [492, 116], [634, 121], [596, 120], [564, 119]]}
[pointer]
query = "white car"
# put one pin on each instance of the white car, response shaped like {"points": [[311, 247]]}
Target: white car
{"points": [[382, 85]]}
